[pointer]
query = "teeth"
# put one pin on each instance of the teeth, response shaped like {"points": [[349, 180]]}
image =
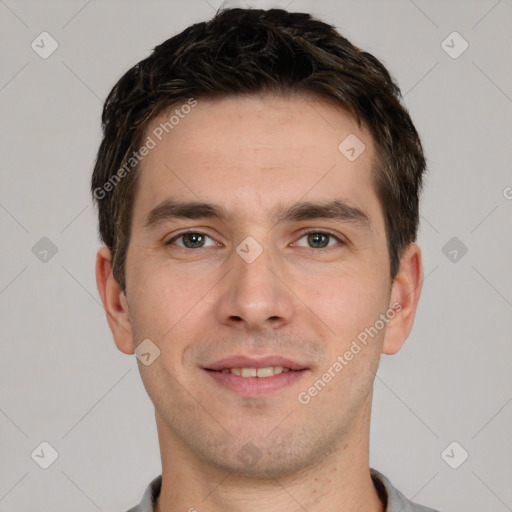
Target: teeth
{"points": [[265, 372], [269, 371], [249, 372]]}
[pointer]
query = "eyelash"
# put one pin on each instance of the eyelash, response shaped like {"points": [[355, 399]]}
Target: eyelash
{"points": [[332, 235]]}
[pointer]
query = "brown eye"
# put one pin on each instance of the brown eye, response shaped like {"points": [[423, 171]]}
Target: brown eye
{"points": [[318, 240], [193, 240]]}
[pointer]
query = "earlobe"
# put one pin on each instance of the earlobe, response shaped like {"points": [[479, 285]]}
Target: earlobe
{"points": [[114, 302], [405, 292]]}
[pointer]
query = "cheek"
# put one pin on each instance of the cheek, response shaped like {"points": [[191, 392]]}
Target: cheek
{"points": [[349, 307], [165, 307], [348, 301], [164, 298]]}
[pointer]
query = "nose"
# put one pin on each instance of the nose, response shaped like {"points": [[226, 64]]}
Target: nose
{"points": [[255, 295]]}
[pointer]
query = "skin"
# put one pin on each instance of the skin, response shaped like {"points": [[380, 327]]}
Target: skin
{"points": [[252, 154]]}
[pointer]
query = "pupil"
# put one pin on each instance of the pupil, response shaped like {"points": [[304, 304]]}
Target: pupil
{"points": [[195, 239], [316, 237]]}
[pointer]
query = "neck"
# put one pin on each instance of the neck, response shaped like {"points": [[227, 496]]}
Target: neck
{"points": [[339, 482]]}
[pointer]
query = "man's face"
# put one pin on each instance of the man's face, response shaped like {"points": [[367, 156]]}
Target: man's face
{"points": [[258, 288]]}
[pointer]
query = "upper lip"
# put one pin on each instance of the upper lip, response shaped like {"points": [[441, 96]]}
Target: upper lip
{"points": [[255, 362]]}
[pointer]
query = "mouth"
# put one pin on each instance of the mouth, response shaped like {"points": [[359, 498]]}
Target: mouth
{"points": [[250, 376], [261, 373]]}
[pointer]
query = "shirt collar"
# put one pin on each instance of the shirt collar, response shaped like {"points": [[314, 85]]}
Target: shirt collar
{"points": [[392, 498]]}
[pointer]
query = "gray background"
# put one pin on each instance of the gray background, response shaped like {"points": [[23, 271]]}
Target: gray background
{"points": [[62, 379]]}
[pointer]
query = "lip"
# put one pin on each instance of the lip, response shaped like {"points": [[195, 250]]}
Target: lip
{"points": [[255, 362], [255, 386]]}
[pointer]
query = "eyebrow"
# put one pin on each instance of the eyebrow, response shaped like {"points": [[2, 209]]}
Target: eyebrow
{"points": [[337, 209]]}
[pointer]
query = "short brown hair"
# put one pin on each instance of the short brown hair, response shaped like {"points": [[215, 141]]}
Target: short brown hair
{"points": [[247, 51]]}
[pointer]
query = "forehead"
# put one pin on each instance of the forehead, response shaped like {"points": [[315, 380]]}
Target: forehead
{"points": [[254, 152]]}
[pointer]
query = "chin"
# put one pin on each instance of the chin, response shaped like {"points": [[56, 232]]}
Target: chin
{"points": [[264, 459]]}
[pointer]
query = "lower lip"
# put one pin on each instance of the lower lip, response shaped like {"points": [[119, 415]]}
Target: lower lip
{"points": [[249, 386]]}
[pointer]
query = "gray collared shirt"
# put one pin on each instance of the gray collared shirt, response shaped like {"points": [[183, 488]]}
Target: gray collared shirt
{"points": [[395, 500]]}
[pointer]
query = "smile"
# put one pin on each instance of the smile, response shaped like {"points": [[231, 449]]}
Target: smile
{"points": [[248, 382], [268, 371]]}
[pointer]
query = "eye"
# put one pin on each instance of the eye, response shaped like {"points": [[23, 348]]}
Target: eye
{"points": [[319, 239], [191, 240], [197, 240]]}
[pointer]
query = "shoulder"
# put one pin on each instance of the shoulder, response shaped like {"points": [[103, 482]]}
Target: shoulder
{"points": [[396, 501], [150, 496]]}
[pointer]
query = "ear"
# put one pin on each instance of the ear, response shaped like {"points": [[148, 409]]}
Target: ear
{"points": [[405, 294], [114, 301]]}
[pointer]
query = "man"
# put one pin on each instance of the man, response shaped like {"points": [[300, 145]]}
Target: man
{"points": [[257, 188]]}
